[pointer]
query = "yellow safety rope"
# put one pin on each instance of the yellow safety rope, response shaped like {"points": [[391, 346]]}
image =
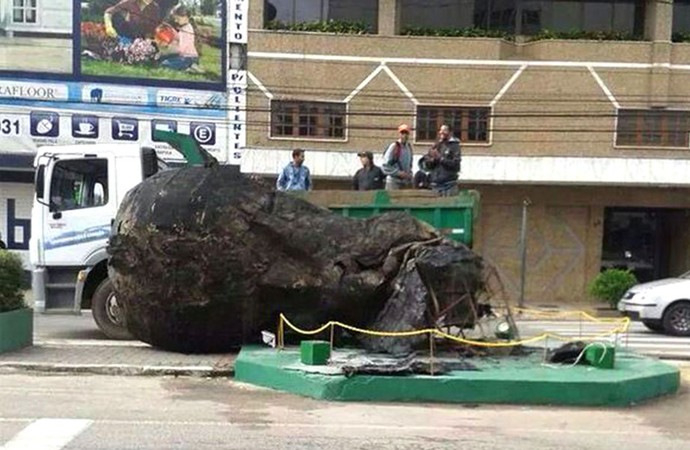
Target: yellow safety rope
{"points": [[624, 324]]}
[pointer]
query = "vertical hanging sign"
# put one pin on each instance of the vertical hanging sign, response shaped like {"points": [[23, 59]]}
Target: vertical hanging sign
{"points": [[238, 30]]}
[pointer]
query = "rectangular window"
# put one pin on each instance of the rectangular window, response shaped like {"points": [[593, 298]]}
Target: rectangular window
{"points": [[292, 12], [650, 128], [308, 120], [80, 183], [681, 16], [469, 124], [527, 17], [437, 13], [24, 11]]}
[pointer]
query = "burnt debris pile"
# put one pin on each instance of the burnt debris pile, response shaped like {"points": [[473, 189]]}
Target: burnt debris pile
{"points": [[203, 259]]}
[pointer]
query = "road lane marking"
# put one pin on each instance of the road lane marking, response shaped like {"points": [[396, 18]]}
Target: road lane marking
{"points": [[47, 434]]}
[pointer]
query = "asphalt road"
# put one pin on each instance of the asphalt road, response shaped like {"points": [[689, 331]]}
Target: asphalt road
{"points": [[104, 412], [638, 338]]}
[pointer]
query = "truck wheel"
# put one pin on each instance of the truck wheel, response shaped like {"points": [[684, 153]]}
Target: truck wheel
{"points": [[654, 325], [108, 315], [677, 319]]}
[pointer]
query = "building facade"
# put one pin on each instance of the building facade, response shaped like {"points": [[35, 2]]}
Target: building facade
{"points": [[580, 109]]}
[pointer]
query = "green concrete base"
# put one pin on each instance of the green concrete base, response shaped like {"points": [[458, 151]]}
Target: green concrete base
{"points": [[16, 329], [506, 380]]}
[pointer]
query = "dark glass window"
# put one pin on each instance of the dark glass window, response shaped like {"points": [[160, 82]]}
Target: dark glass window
{"points": [[681, 16], [623, 16], [317, 120], [469, 124], [296, 11], [652, 128], [437, 13], [527, 16], [80, 183]]}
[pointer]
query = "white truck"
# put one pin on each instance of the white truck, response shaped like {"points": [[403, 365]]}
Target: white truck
{"points": [[78, 191]]}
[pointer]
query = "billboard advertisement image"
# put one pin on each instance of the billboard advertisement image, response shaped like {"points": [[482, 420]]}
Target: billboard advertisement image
{"points": [[147, 40]]}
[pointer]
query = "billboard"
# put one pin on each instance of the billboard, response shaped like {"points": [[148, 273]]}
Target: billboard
{"points": [[175, 43], [181, 41]]}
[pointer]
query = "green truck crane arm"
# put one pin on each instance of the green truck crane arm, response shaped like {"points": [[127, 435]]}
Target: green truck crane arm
{"points": [[194, 153]]}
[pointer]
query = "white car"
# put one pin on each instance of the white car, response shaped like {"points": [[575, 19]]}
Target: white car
{"points": [[662, 305]]}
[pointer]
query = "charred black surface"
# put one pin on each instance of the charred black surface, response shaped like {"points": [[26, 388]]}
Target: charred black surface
{"points": [[203, 260]]}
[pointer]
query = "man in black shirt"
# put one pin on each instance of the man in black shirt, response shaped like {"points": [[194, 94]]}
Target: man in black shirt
{"points": [[369, 177], [442, 162]]}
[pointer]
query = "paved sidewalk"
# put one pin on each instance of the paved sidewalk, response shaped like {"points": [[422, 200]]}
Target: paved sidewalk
{"points": [[74, 344]]}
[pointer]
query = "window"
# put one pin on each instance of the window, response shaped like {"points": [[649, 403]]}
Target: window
{"points": [[24, 11], [681, 16], [495, 14], [296, 11], [469, 124], [653, 128], [527, 16], [437, 13], [309, 120], [80, 183], [623, 16]]}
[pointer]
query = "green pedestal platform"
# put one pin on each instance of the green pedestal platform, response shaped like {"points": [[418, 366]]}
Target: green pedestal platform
{"points": [[523, 380]]}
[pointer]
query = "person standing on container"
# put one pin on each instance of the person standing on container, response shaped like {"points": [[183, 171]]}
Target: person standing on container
{"points": [[370, 177], [442, 162], [295, 176], [397, 161]]}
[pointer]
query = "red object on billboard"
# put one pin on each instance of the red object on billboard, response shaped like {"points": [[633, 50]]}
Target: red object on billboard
{"points": [[165, 34]]}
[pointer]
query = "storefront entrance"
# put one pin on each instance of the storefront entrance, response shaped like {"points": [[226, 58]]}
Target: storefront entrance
{"points": [[649, 242]]}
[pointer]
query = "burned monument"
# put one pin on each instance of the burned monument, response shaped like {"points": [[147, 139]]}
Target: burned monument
{"points": [[203, 259]]}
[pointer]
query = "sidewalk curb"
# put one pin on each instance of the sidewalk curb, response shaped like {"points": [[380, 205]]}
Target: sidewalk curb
{"points": [[122, 369]]}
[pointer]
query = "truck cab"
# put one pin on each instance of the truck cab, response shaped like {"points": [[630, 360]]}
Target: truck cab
{"points": [[78, 190]]}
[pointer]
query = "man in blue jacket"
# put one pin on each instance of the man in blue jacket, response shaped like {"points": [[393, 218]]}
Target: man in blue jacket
{"points": [[443, 163], [295, 176]]}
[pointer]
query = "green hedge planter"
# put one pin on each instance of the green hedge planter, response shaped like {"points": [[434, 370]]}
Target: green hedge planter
{"points": [[16, 329]]}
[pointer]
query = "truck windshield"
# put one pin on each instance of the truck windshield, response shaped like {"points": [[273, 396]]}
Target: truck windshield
{"points": [[79, 183]]}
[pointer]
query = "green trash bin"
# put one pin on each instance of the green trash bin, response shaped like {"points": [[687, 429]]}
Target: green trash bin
{"points": [[453, 216]]}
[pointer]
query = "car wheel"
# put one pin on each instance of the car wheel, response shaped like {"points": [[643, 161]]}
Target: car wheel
{"points": [[654, 325], [677, 319], [107, 313]]}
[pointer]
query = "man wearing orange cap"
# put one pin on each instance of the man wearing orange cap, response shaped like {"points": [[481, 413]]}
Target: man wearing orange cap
{"points": [[397, 161]]}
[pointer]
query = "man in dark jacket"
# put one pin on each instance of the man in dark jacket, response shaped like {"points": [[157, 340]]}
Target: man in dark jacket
{"points": [[443, 163], [369, 177]]}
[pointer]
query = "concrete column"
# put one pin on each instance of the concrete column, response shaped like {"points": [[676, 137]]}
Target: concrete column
{"points": [[256, 14], [658, 22], [390, 14], [658, 29]]}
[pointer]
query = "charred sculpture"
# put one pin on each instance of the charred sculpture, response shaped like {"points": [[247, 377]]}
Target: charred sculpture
{"points": [[203, 259]]}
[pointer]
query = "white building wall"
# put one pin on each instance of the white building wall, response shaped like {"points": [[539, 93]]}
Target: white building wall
{"points": [[54, 16]]}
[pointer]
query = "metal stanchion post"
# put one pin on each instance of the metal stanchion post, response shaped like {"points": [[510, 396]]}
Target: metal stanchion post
{"points": [[332, 336], [615, 345], [281, 334], [523, 252], [431, 353]]}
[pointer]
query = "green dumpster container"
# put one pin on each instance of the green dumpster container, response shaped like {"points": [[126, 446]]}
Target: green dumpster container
{"points": [[453, 216]]}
